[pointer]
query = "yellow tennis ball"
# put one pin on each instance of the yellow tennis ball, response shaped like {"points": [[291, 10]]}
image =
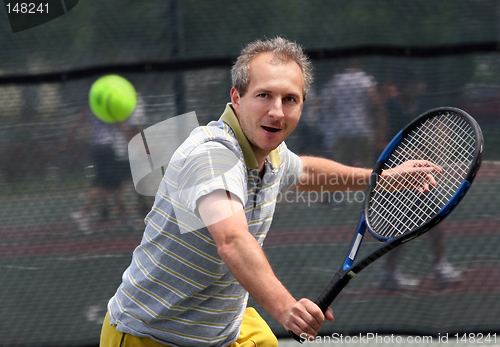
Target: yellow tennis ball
{"points": [[112, 99]]}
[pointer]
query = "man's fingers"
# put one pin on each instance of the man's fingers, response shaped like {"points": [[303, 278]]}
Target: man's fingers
{"points": [[425, 164], [424, 169], [306, 318], [424, 175], [412, 174], [313, 317], [431, 180], [301, 327], [329, 314]]}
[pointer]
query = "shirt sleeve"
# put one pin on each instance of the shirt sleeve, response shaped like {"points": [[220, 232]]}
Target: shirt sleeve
{"points": [[292, 168], [210, 166]]}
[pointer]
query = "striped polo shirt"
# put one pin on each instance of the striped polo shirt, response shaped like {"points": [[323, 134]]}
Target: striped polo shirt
{"points": [[177, 290]]}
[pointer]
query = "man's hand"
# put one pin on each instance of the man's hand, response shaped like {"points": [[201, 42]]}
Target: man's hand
{"points": [[305, 318], [412, 174]]}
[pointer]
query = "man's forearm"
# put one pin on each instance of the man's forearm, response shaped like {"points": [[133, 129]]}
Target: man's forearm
{"points": [[227, 223], [323, 175], [248, 263]]}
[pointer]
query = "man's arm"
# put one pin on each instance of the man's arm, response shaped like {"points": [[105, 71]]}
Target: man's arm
{"points": [[324, 175], [225, 219]]}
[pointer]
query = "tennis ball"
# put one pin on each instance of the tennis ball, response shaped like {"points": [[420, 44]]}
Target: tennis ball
{"points": [[112, 99]]}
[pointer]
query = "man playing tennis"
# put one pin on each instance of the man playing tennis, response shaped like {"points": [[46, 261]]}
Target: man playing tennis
{"points": [[188, 285]]}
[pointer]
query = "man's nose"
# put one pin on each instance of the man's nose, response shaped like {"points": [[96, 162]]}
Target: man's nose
{"points": [[276, 110]]}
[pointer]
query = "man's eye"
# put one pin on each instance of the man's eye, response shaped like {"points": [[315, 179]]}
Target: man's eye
{"points": [[263, 95], [290, 99]]}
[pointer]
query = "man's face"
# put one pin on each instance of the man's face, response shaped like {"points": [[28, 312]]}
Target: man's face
{"points": [[270, 109]]}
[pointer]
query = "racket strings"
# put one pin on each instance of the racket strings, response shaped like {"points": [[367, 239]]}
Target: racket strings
{"points": [[447, 141], [423, 212], [443, 157], [453, 159]]}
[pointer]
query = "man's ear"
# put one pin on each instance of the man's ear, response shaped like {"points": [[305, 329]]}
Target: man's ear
{"points": [[235, 98]]}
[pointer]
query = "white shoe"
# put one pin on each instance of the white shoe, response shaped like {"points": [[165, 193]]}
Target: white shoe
{"points": [[445, 272], [81, 221], [394, 280]]}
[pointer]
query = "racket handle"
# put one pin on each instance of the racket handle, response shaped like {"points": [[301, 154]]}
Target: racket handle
{"points": [[326, 298], [296, 337], [331, 291]]}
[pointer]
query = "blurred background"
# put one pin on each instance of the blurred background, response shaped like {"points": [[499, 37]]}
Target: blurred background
{"points": [[378, 64]]}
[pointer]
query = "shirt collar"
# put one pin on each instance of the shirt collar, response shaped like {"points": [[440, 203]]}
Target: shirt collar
{"points": [[229, 117]]}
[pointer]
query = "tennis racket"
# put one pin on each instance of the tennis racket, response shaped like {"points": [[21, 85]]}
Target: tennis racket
{"points": [[395, 214]]}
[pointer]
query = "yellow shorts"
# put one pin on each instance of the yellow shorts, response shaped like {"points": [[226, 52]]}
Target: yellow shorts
{"points": [[254, 332]]}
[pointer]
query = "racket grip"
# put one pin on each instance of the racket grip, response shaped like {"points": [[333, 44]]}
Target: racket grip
{"points": [[331, 291]]}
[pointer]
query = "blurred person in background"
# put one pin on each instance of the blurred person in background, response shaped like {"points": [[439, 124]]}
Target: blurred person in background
{"points": [[308, 137], [349, 100], [110, 165]]}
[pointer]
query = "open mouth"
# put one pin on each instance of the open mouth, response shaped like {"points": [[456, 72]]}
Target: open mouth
{"points": [[270, 129]]}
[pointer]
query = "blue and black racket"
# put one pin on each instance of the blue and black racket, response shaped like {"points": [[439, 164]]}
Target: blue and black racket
{"points": [[447, 137]]}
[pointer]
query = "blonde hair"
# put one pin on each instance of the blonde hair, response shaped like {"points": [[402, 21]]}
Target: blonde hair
{"points": [[282, 49]]}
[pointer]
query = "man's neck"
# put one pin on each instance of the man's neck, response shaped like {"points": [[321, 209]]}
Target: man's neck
{"points": [[261, 158], [262, 169]]}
